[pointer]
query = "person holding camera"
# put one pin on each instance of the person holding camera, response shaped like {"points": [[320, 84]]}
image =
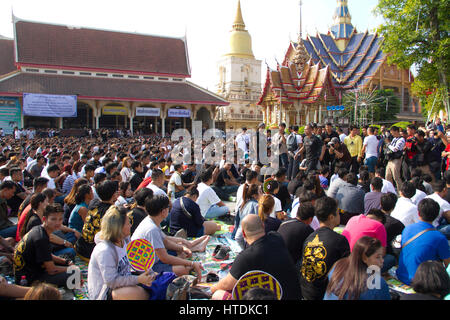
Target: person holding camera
{"points": [[339, 154], [393, 156]]}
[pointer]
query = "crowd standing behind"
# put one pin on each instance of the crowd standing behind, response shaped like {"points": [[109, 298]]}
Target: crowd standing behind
{"points": [[387, 189]]}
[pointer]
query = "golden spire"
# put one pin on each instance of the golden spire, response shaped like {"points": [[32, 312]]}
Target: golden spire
{"points": [[240, 39], [238, 23]]}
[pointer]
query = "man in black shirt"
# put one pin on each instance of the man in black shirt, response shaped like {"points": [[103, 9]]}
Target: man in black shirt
{"points": [[393, 226], [33, 258], [226, 184], [267, 253], [321, 250], [312, 147], [423, 157], [138, 175], [188, 175], [20, 194], [138, 213], [295, 231], [283, 193]]}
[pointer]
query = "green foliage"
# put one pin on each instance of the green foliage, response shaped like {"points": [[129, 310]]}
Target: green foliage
{"points": [[401, 124], [301, 130], [416, 32]]}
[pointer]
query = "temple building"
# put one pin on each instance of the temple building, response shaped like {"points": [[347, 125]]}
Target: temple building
{"points": [[239, 80], [352, 61], [121, 80]]}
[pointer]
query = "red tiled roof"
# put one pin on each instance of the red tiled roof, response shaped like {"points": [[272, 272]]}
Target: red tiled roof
{"points": [[108, 89], [6, 56], [60, 46]]}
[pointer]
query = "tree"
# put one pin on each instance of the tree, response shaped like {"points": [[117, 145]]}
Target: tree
{"points": [[416, 32]]}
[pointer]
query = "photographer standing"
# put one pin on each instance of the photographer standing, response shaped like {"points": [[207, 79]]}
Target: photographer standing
{"points": [[394, 158], [409, 160], [340, 152]]}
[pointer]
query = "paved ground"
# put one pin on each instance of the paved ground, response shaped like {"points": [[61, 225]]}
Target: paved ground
{"points": [[230, 205]]}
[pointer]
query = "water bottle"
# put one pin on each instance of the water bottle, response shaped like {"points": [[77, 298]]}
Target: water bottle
{"points": [[23, 281]]}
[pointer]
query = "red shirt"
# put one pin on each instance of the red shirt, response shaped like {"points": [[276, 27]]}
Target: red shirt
{"points": [[408, 146], [447, 149], [360, 226], [21, 221]]}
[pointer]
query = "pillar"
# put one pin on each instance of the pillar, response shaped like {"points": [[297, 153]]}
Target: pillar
{"points": [[320, 113], [98, 111], [60, 121], [163, 126]]}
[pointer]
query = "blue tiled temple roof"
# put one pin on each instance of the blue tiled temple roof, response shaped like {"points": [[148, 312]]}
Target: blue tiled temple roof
{"points": [[354, 66]]}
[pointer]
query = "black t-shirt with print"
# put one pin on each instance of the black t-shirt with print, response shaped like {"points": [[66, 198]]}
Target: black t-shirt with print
{"points": [[321, 250], [393, 228], [85, 244], [294, 233], [270, 255], [32, 251]]}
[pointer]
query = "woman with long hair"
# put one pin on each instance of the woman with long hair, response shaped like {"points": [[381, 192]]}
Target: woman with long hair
{"points": [[109, 270], [265, 208], [69, 200], [34, 217], [78, 215], [349, 277], [126, 172], [272, 188], [250, 196]]}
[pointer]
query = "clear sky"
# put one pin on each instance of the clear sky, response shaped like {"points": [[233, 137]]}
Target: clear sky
{"points": [[207, 23]]}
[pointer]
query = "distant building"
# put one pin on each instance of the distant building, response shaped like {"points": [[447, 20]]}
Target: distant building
{"points": [[239, 75], [121, 80], [297, 92]]}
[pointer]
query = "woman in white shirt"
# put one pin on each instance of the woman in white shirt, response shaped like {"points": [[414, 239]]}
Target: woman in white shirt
{"points": [[126, 172], [109, 271]]}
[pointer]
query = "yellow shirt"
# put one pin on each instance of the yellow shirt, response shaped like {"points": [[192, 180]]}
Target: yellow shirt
{"points": [[354, 145]]}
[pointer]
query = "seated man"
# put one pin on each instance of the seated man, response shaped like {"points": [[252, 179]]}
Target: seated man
{"points": [[405, 210], [422, 242], [372, 199], [210, 204], [321, 250], [266, 252], [33, 257], [7, 228], [443, 220], [350, 198], [187, 216], [167, 247], [295, 231], [226, 182], [370, 225]]}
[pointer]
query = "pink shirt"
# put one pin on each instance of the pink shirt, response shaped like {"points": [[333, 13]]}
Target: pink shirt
{"points": [[360, 226]]}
